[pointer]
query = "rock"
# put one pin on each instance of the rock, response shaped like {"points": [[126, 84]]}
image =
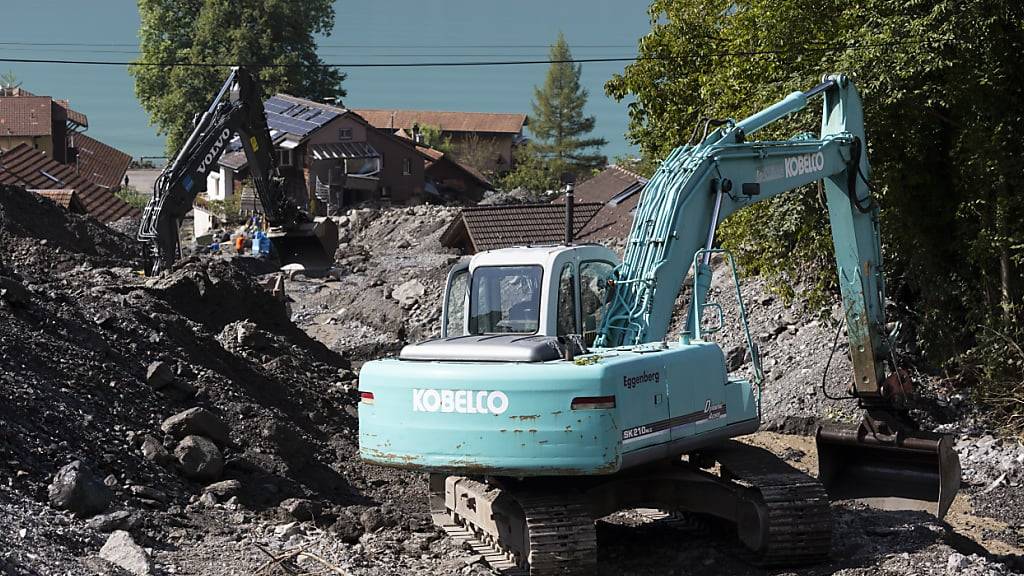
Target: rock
{"points": [[735, 357], [196, 421], [154, 451], [76, 488], [200, 459], [120, 520], [301, 509], [159, 374], [287, 531], [409, 293], [208, 500], [224, 488], [348, 528], [374, 519], [13, 292], [956, 563], [149, 493], [123, 552]]}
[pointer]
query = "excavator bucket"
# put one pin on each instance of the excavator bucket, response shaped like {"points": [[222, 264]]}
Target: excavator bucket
{"points": [[309, 244], [907, 471]]}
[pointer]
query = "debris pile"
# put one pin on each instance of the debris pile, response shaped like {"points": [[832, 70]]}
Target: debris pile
{"points": [[186, 425]]}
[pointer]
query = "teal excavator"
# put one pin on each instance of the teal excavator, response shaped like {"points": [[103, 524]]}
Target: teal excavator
{"points": [[553, 396]]}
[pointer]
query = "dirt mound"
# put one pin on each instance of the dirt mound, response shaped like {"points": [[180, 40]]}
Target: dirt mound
{"points": [[36, 234], [94, 358]]}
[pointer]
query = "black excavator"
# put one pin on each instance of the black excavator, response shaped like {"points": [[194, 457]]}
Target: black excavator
{"points": [[237, 109]]}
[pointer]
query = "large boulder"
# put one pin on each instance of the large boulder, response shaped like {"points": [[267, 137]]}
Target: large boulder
{"points": [[196, 421], [409, 293], [159, 374], [76, 488], [199, 458], [12, 291], [120, 550]]}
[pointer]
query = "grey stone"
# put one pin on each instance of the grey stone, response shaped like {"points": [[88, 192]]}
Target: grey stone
{"points": [[200, 459], [208, 500], [123, 552], [120, 520], [224, 488], [409, 293], [12, 291], [148, 493], [159, 374], [374, 519], [735, 357], [196, 421], [348, 528], [76, 488], [301, 509], [154, 451]]}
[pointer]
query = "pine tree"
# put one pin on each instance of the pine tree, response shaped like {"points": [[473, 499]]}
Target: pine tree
{"points": [[558, 122]]}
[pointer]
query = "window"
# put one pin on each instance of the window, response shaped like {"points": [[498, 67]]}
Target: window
{"points": [[284, 157], [455, 303], [505, 299], [594, 296], [566, 302], [406, 167], [344, 134]]}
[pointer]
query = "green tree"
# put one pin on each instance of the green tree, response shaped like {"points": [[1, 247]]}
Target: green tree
{"points": [[532, 173], [433, 136], [274, 33], [939, 83], [558, 122]]}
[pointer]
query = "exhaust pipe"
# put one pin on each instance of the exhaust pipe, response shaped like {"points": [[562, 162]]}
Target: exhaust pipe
{"points": [[907, 470]]}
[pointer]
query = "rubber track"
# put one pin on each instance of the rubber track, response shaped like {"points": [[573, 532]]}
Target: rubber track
{"points": [[562, 535], [799, 517]]}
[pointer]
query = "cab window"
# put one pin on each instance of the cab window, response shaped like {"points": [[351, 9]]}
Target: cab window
{"points": [[594, 296], [505, 299], [567, 302], [455, 303]]}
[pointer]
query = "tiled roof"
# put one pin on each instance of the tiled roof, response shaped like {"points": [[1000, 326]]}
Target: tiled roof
{"points": [[74, 116], [618, 190], [446, 121], [103, 164], [66, 198], [25, 166], [503, 226], [25, 116]]}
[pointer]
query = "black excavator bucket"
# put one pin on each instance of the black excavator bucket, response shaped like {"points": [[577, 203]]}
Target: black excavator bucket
{"points": [[911, 470], [311, 244]]}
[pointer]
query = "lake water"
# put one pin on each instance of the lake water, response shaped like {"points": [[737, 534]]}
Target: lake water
{"points": [[370, 32]]}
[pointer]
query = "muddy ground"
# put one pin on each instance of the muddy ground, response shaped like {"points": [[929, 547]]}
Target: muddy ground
{"points": [[80, 332]]}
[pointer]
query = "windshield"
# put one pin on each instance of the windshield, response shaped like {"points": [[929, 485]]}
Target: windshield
{"points": [[505, 299]]}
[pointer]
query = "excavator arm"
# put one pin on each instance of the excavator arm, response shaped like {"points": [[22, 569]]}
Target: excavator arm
{"points": [[697, 187], [237, 109]]}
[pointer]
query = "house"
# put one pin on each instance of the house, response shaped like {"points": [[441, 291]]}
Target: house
{"points": [[66, 198], [480, 228], [451, 179], [330, 157], [617, 191], [471, 133], [55, 129], [34, 169]]}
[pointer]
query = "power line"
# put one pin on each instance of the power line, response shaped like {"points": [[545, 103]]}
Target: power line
{"points": [[503, 46], [746, 53]]}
